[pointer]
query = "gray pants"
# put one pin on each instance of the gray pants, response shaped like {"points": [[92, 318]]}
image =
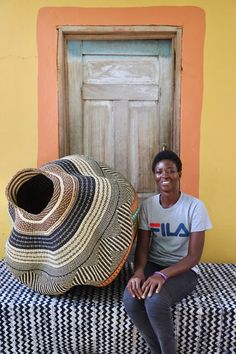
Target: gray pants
{"points": [[152, 316]]}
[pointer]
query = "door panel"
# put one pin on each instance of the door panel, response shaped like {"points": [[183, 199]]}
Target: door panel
{"points": [[120, 69], [144, 143], [98, 131], [119, 92]]}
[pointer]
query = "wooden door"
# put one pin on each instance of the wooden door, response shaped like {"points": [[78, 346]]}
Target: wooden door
{"points": [[120, 104]]}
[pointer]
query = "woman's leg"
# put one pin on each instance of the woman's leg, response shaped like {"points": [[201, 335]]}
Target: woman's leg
{"points": [[137, 312], [158, 308]]}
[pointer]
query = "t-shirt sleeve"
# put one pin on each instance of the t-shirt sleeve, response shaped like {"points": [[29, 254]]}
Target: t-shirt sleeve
{"points": [[200, 218], [143, 219]]}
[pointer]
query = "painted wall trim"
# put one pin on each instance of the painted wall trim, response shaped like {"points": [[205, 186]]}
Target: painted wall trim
{"points": [[192, 19]]}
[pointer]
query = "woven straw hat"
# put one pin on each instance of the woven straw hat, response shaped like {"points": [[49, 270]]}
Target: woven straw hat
{"points": [[74, 223]]}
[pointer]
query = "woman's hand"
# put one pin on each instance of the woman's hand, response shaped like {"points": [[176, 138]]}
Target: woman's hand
{"points": [[153, 283], [135, 285]]}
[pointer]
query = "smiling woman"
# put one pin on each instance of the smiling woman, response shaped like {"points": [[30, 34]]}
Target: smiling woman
{"points": [[168, 180], [171, 235]]}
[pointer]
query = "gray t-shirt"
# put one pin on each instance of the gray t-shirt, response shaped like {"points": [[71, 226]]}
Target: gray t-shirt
{"points": [[171, 227]]}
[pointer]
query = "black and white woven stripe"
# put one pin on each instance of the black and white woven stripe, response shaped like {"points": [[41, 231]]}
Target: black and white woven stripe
{"points": [[90, 320]]}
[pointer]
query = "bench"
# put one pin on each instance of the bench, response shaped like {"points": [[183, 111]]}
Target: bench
{"points": [[89, 320]]}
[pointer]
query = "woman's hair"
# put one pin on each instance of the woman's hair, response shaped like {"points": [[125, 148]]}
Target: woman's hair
{"points": [[167, 155]]}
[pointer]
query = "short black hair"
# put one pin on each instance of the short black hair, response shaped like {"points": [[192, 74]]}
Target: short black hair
{"points": [[167, 155]]}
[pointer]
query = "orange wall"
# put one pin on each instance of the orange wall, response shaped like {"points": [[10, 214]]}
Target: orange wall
{"points": [[192, 19]]}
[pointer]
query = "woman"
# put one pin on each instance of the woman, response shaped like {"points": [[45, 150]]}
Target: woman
{"points": [[170, 242]]}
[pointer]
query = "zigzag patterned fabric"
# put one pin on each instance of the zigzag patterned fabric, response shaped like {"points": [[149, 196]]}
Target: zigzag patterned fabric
{"points": [[92, 320], [74, 223]]}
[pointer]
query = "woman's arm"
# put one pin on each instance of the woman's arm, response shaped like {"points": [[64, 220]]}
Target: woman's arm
{"points": [[155, 282], [140, 260], [141, 251]]}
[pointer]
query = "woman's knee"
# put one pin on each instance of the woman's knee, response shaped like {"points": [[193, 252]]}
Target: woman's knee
{"points": [[157, 303], [131, 304]]}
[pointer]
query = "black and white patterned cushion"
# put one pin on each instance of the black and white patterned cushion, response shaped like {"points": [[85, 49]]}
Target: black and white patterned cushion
{"points": [[90, 320]]}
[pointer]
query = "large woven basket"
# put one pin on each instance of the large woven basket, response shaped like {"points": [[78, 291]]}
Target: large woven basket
{"points": [[74, 223]]}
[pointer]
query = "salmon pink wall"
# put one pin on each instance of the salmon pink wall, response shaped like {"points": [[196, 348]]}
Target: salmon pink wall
{"points": [[191, 19]]}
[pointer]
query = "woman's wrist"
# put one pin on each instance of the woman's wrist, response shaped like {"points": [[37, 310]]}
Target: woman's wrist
{"points": [[164, 276], [138, 272]]}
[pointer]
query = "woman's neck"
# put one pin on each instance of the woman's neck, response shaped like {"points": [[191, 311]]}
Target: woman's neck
{"points": [[169, 199]]}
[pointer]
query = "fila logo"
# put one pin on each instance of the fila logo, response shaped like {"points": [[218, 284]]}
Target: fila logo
{"points": [[164, 229]]}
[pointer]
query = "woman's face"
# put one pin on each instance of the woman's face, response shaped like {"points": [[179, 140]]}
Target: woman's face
{"points": [[167, 177]]}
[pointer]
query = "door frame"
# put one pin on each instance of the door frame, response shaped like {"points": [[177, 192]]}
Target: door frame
{"points": [[117, 33]]}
